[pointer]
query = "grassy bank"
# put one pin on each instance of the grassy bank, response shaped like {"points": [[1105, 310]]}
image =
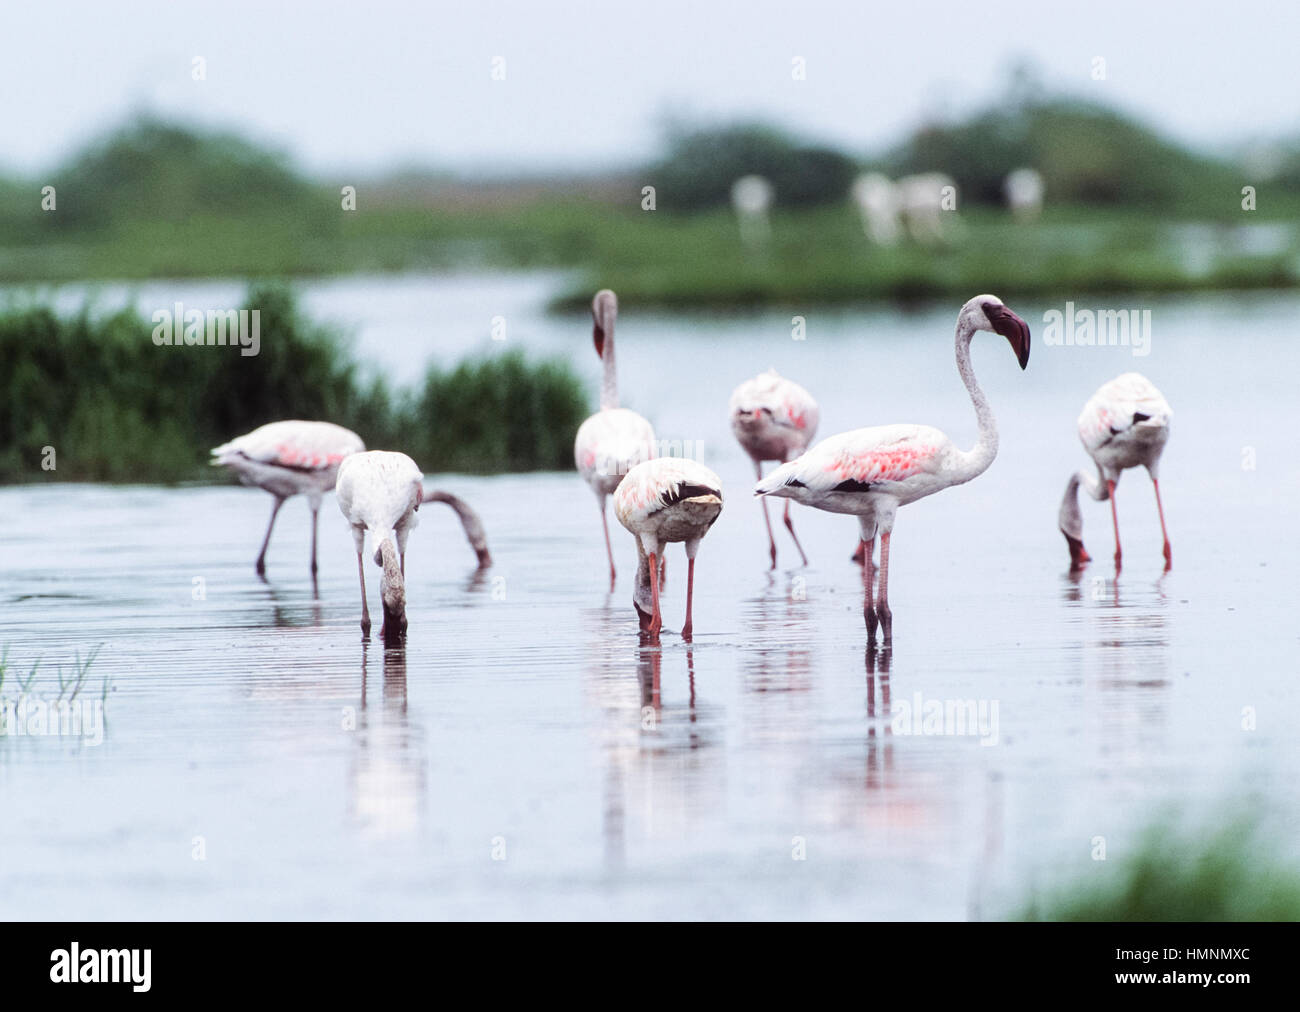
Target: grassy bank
{"points": [[1229, 873], [99, 401]]}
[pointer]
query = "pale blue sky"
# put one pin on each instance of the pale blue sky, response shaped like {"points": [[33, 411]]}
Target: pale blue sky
{"points": [[362, 86]]}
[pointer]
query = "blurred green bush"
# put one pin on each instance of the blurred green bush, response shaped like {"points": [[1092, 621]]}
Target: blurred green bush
{"points": [[116, 407]]}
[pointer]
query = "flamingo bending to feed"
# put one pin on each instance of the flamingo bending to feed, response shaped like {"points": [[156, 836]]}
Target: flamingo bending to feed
{"points": [[288, 458], [773, 419], [661, 501], [379, 492], [1125, 424], [871, 472], [469, 520], [614, 440]]}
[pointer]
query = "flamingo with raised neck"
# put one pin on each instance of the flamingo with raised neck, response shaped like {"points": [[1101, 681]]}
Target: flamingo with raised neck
{"points": [[871, 472], [613, 440]]}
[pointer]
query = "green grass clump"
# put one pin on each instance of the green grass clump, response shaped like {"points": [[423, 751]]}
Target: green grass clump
{"points": [[1229, 874], [113, 406], [499, 414]]}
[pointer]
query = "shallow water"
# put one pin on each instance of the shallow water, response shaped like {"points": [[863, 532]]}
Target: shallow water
{"points": [[525, 757]]}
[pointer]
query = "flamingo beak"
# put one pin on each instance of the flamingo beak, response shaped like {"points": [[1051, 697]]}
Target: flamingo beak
{"points": [[1013, 328]]}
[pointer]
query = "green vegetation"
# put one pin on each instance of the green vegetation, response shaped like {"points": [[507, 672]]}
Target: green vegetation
{"points": [[116, 407], [157, 200], [1228, 874]]}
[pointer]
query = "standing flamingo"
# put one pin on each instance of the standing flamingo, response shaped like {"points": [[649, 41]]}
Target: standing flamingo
{"points": [[379, 492], [1125, 424], [871, 472], [661, 501], [287, 458], [774, 419], [612, 441]]}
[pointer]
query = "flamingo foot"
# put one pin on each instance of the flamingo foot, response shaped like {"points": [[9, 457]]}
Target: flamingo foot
{"points": [[886, 624], [365, 628], [872, 620], [860, 556], [686, 632], [1169, 557]]}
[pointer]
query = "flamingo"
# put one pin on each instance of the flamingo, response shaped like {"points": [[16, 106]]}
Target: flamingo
{"points": [[774, 419], [661, 501], [612, 441], [1125, 424], [288, 458], [871, 472], [379, 492]]}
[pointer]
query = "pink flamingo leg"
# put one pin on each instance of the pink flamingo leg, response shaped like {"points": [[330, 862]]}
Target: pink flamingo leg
{"points": [[266, 541], [656, 620], [690, 591], [868, 579], [789, 524], [882, 603], [1169, 552], [609, 549], [1114, 516], [365, 608], [758, 469]]}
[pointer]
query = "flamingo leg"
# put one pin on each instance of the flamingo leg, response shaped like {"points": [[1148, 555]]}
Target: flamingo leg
{"points": [[882, 598], [1169, 552], [690, 591], [1114, 516], [266, 541], [365, 608], [771, 541], [868, 579], [656, 620], [609, 549], [789, 524], [315, 515]]}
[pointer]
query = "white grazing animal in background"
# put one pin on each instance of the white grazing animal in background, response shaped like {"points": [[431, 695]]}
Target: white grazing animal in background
{"points": [[288, 458], [379, 492], [921, 199], [877, 200], [662, 501], [614, 440], [1023, 189], [751, 198], [1124, 424], [871, 472]]}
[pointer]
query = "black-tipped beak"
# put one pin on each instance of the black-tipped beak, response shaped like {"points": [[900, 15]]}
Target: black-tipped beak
{"points": [[598, 339], [1013, 328]]}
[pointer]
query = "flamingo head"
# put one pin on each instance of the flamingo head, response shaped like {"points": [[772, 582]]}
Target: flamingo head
{"points": [[986, 312], [604, 310], [392, 593]]}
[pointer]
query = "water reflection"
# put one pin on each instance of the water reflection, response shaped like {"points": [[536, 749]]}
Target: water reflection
{"points": [[387, 779]]}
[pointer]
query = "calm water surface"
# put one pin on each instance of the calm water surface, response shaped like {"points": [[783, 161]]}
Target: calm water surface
{"points": [[525, 757]]}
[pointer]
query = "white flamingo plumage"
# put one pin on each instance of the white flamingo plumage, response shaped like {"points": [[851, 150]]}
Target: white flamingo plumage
{"points": [[871, 472], [662, 501], [613, 440], [379, 493], [1124, 424], [774, 418], [287, 458]]}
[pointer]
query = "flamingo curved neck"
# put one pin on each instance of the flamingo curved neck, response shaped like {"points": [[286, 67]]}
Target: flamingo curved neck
{"points": [[976, 460]]}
